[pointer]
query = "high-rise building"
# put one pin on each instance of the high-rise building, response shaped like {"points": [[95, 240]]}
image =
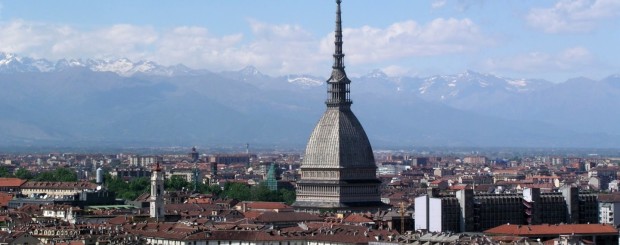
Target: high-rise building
{"points": [[338, 171]]}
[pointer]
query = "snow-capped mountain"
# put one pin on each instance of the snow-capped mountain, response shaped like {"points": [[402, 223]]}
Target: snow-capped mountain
{"points": [[89, 102], [445, 86], [305, 81], [376, 74], [124, 67], [471, 89], [13, 63]]}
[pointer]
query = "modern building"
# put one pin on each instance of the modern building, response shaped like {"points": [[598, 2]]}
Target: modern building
{"points": [[130, 173], [467, 211], [609, 209], [338, 171], [143, 161], [229, 159]]}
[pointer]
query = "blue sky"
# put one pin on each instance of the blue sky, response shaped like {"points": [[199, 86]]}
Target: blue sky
{"points": [[553, 40]]}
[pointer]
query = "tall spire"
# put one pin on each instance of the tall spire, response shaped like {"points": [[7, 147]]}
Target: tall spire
{"points": [[338, 83], [338, 55]]}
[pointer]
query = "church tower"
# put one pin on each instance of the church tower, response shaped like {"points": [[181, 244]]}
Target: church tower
{"points": [[157, 193], [338, 171]]}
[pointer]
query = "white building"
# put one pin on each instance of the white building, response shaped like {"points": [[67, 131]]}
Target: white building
{"points": [[609, 209]]}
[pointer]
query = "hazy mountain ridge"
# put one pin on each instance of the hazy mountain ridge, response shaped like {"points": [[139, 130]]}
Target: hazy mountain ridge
{"points": [[122, 102], [10, 63]]}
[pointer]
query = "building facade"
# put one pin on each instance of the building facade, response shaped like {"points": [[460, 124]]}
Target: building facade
{"points": [[609, 209], [470, 212], [338, 171]]}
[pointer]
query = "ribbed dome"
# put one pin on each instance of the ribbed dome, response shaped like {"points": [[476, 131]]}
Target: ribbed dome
{"points": [[338, 141], [338, 171]]}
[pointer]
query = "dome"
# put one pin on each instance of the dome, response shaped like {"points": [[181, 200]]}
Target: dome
{"points": [[338, 141]]}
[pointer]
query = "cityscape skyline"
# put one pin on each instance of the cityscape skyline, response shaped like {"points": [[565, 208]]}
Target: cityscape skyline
{"points": [[551, 40], [103, 150]]}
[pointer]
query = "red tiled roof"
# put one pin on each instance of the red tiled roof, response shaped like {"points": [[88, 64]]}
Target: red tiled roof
{"points": [[271, 217], [5, 198], [11, 182], [458, 187], [252, 214], [356, 218], [265, 205], [437, 181], [609, 197], [59, 185], [545, 229]]}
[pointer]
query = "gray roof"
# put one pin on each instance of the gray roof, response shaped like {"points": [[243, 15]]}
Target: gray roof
{"points": [[338, 141]]}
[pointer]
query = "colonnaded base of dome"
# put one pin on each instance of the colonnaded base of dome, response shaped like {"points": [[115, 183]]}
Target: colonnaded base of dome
{"points": [[339, 207]]}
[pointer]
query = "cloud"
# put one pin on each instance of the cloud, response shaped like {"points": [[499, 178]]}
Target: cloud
{"points": [[131, 41], [566, 60], [276, 49], [436, 4], [273, 48], [573, 16], [62, 41], [395, 70], [406, 39]]}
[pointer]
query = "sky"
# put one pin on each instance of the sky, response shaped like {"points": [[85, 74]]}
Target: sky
{"points": [[552, 40]]}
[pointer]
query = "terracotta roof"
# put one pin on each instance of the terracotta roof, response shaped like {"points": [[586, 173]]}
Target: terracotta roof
{"points": [[70, 243], [11, 182], [252, 214], [5, 198], [59, 185], [356, 218], [546, 229], [264, 205], [437, 181], [609, 198], [459, 187], [270, 217], [172, 231]]}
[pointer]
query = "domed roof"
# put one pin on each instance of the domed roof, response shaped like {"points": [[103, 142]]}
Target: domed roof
{"points": [[338, 141]]}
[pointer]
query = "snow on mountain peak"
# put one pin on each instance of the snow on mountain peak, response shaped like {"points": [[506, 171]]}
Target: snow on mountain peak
{"points": [[517, 83], [250, 71], [377, 73], [123, 66], [304, 80]]}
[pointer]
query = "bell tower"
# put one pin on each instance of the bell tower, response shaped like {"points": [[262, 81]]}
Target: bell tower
{"points": [[157, 193]]}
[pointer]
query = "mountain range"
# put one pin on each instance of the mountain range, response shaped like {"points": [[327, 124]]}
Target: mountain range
{"points": [[124, 103]]}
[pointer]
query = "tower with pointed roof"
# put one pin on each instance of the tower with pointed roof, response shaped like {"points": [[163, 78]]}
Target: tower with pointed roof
{"points": [[338, 171]]}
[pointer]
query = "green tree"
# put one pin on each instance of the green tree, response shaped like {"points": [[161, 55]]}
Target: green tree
{"points": [[23, 173], [128, 190], [65, 175], [212, 189], [259, 192], [237, 191], [288, 196], [262, 193], [4, 172], [177, 183], [58, 175]]}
